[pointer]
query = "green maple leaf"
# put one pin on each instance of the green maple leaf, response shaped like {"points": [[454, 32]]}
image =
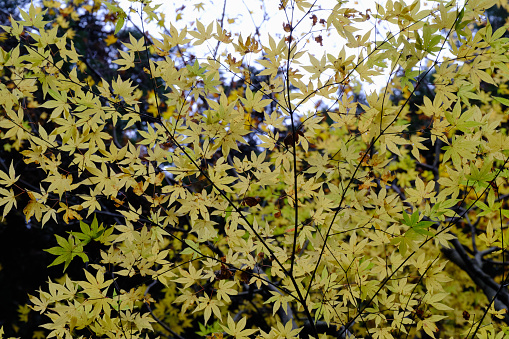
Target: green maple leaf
{"points": [[209, 84], [503, 101], [192, 249], [195, 69], [419, 227], [416, 231], [67, 250], [208, 329], [482, 175], [89, 233], [462, 121]]}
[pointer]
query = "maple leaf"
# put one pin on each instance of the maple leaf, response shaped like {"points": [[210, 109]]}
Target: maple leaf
{"points": [[219, 177], [8, 179], [416, 143], [177, 38], [199, 6], [127, 60], [71, 212], [110, 40], [434, 299], [94, 285], [237, 330], [204, 229], [203, 34], [225, 290], [208, 305], [60, 104], [254, 100], [96, 288], [428, 324], [462, 121], [249, 46], [482, 175], [90, 202], [278, 300], [189, 277], [270, 67], [287, 331], [421, 192], [461, 148], [489, 238], [61, 184], [318, 66], [67, 251], [8, 199], [419, 227], [135, 45], [34, 17], [195, 69], [89, 232]]}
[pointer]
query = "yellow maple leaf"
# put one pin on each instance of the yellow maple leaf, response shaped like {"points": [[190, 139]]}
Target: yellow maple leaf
{"points": [[110, 39]]}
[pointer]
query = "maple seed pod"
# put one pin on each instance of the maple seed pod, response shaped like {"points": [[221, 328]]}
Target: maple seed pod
{"points": [[314, 18], [250, 201], [280, 202], [289, 140], [244, 276], [466, 315]]}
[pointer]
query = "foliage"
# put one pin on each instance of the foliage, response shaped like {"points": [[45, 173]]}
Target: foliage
{"points": [[256, 189]]}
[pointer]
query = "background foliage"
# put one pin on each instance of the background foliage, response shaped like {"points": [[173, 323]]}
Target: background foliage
{"points": [[198, 182]]}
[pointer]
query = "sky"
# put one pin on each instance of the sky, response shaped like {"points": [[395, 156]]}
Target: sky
{"points": [[243, 16]]}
